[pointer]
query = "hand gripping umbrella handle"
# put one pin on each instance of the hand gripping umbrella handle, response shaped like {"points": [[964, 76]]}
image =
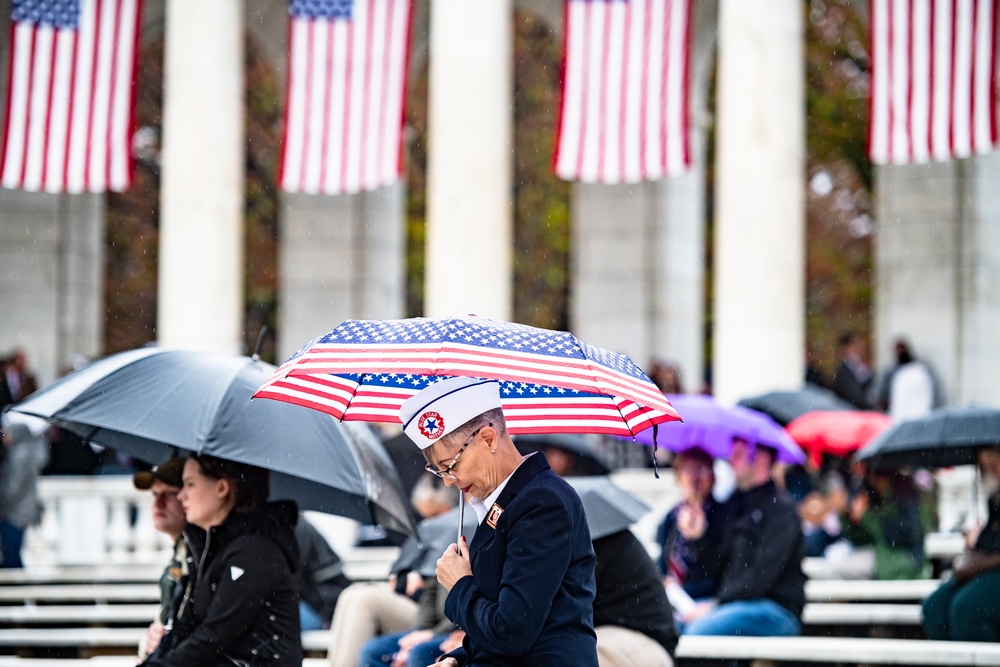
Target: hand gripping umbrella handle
{"points": [[461, 518]]}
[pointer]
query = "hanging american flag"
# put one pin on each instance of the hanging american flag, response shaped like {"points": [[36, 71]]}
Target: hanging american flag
{"points": [[550, 381], [624, 114], [70, 95], [933, 79], [347, 63]]}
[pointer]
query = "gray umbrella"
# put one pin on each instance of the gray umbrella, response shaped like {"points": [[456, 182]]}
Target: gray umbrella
{"points": [[945, 437], [785, 406], [153, 402], [435, 534], [609, 508], [589, 460]]}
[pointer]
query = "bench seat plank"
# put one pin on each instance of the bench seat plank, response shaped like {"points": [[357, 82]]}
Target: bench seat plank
{"points": [[80, 593], [855, 613], [818, 590], [137, 614], [841, 650]]}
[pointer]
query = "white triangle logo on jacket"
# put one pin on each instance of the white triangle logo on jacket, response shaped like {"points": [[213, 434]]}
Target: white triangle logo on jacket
{"points": [[236, 572]]}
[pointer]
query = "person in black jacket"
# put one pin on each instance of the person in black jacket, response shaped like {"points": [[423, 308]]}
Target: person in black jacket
{"points": [[762, 591], [632, 617], [321, 577], [240, 603]]}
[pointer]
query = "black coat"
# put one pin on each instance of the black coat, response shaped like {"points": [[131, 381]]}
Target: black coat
{"points": [[530, 598], [630, 593], [763, 550], [240, 604]]}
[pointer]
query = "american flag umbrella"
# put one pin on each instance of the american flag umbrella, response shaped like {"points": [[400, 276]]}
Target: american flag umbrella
{"points": [[551, 382]]}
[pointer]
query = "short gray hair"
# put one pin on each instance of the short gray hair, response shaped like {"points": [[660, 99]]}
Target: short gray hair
{"points": [[462, 433]]}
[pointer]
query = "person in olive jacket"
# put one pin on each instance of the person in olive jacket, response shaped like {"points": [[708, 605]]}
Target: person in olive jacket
{"points": [[240, 601], [762, 590]]}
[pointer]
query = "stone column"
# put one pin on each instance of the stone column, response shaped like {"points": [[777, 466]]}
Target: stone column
{"points": [[938, 271], [51, 280], [759, 336], [469, 228], [340, 258], [638, 268], [200, 302], [51, 270], [638, 271]]}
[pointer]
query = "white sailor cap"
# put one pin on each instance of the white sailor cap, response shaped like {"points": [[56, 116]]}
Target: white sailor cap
{"points": [[443, 406]]}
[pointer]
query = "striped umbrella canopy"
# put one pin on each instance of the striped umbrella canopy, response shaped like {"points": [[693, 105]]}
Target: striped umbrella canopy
{"points": [[550, 381]]}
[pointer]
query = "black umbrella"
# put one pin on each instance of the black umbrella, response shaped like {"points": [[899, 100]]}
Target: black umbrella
{"points": [[588, 462], [945, 437], [785, 406], [152, 402]]}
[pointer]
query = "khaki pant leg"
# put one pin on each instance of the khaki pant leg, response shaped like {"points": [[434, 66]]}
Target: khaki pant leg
{"points": [[363, 612], [621, 647]]}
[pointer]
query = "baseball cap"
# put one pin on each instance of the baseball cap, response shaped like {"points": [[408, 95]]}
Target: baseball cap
{"points": [[169, 472]]}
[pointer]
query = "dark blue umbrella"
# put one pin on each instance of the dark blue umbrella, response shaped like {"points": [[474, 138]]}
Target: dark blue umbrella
{"points": [[153, 402]]}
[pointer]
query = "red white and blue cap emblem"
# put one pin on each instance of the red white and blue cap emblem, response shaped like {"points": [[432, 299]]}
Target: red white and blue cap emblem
{"points": [[431, 425], [444, 406]]}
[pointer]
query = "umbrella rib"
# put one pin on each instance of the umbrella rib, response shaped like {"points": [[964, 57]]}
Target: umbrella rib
{"points": [[350, 399]]}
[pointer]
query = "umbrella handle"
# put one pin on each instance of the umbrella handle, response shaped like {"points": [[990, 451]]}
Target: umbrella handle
{"points": [[461, 518]]}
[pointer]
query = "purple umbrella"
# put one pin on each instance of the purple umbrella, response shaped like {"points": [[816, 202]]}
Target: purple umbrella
{"points": [[712, 426]]}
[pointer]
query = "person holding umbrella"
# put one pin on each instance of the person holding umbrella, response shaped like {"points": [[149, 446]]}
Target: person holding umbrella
{"points": [[240, 605], [762, 587], [523, 590], [691, 534], [967, 607]]}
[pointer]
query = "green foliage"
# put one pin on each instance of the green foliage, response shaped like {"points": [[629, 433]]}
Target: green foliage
{"points": [[839, 262], [132, 240]]}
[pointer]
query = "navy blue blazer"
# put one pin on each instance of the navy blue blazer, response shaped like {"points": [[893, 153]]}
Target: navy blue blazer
{"points": [[531, 594]]}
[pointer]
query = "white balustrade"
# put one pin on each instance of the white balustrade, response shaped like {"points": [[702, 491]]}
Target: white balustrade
{"points": [[93, 520]]}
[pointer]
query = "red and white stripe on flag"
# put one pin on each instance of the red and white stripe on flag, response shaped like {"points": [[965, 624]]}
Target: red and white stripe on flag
{"points": [[346, 85], [70, 96], [624, 114], [933, 79]]}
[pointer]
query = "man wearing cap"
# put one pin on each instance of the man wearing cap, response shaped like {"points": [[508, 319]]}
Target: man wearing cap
{"points": [[164, 482], [523, 590]]}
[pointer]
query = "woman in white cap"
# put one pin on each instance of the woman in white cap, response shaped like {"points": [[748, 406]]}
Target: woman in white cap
{"points": [[523, 590]]}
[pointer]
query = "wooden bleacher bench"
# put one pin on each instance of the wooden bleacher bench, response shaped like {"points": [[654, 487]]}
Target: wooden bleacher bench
{"points": [[52, 593], [819, 590], [841, 650], [79, 614], [112, 639], [104, 661], [81, 574], [859, 613], [360, 564]]}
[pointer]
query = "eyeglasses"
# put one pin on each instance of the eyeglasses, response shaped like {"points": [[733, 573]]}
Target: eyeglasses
{"points": [[446, 473]]}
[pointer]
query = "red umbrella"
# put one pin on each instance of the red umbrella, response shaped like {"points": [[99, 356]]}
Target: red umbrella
{"points": [[839, 433]]}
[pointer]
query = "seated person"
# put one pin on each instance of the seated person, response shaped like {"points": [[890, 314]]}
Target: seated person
{"points": [[884, 532], [762, 587], [967, 606], [691, 533], [419, 646], [321, 577], [632, 617], [365, 610]]}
